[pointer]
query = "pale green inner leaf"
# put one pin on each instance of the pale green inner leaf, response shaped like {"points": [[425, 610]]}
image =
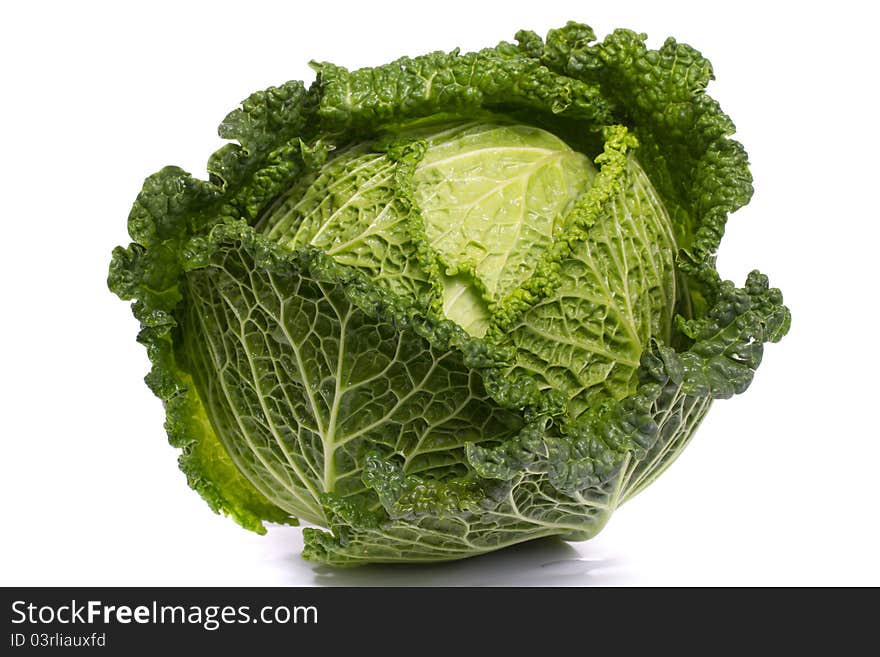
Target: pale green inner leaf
{"points": [[493, 197], [616, 290]]}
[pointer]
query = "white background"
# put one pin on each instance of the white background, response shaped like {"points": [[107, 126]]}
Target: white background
{"points": [[779, 486]]}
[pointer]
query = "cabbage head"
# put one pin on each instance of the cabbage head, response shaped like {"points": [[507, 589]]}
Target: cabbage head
{"points": [[452, 303]]}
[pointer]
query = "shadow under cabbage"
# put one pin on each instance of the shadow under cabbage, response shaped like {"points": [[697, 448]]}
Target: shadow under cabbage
{"points": [[542, 562]]}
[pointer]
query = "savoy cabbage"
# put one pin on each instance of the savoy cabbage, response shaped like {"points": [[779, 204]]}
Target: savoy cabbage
{"points": [[453, 303]]}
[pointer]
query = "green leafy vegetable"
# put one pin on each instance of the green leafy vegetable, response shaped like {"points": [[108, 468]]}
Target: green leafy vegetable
{"points": [[452, 303]]}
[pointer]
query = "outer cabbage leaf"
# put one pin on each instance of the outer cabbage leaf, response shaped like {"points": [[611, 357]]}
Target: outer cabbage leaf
{"points": [[306, 368]]}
